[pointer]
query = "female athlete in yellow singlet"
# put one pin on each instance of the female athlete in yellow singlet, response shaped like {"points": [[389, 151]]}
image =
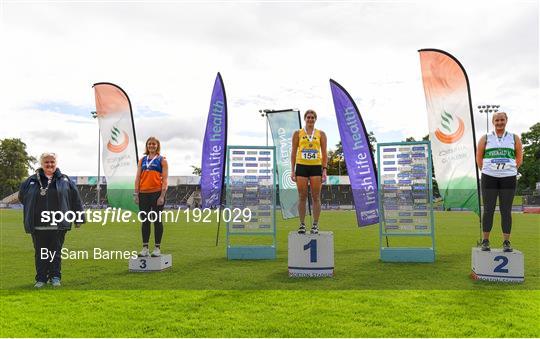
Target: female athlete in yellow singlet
{"points": [[308, 162]]}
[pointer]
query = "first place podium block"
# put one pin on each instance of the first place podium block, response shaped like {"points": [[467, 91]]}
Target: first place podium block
{"points": [[496, 265], [150, 264], [311, 255]]}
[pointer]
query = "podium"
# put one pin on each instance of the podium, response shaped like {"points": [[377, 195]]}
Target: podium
{"points": [[496, 265], [150, 264], [311, 255]]}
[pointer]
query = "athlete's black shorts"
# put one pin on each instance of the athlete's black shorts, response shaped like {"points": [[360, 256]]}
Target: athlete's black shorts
{"points": [[308, 170]]}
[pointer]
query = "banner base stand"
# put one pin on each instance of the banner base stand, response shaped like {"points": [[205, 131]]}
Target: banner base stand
{"points": [[251, 252], [407, 254]]}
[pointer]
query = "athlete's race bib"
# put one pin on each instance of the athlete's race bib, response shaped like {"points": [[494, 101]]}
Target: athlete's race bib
{"points": [[499, 164], [309, 154]]}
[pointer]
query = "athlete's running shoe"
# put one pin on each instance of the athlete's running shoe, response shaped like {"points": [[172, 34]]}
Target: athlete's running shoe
{"points": [[156, 252], [144, 252], [302, 229], [39, 284], [485, 245], [314, 229], [507, 247], [55, 282]]}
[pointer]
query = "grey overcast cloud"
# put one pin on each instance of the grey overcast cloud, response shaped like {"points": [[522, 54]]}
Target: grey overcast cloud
{"points": [[272, 55]]}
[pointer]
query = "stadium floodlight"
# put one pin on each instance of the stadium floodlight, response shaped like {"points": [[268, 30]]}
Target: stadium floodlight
{"points": [[488, 109], [264, 113]]}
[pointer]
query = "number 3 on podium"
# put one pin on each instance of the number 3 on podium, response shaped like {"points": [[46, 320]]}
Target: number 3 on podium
{"points": [[142, 264], [312, 245]]}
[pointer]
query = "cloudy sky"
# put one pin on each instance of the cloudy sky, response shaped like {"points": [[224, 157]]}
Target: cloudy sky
{"points": [[272, 55]]}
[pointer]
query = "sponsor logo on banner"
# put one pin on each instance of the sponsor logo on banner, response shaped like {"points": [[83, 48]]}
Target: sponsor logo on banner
{"points": [[369, 214], [286, 179], [452, 128], [118, 141]]}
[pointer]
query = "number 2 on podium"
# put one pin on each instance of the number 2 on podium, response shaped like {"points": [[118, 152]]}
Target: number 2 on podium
{"points": [[500, 268], [312, 245]]}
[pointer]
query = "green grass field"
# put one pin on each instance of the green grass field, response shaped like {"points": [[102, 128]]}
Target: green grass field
{"points": [[204, 295]]}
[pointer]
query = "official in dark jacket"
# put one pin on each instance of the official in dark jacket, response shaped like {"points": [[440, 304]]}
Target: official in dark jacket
{"points": [[45, 192]]}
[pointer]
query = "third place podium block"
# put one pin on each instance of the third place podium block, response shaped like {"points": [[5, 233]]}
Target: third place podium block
{"points": [[311, 255], [150, 264], [496, 265]]}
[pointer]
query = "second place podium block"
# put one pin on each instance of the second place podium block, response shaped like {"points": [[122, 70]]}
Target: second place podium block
{"points": [[311, 255]]}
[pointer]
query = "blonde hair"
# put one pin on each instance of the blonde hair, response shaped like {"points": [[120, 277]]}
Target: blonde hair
{"points": [[146, 145], [310, 111], [494, 114]]}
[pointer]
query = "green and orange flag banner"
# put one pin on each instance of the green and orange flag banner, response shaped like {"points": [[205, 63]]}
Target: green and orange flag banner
{"points": [[451, 129], [119, 154]]}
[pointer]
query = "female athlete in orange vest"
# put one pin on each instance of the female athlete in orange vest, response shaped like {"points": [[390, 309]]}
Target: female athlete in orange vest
{"points": [[150, 189]]}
